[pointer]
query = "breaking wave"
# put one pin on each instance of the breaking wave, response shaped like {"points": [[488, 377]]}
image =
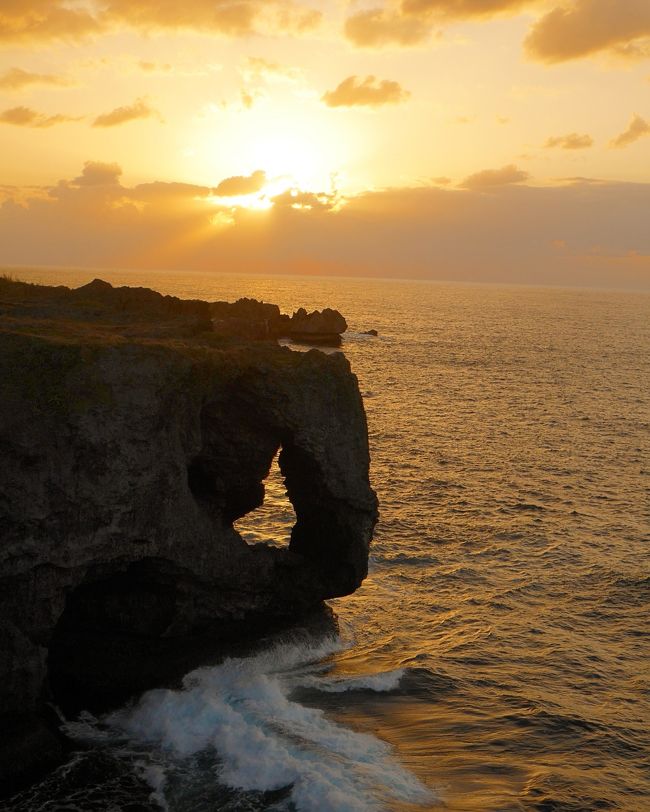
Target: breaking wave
{"points": [[264, 740]]}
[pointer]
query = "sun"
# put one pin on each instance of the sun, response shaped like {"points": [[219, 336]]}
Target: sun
{"points": [[290, 157], [295, 150]]}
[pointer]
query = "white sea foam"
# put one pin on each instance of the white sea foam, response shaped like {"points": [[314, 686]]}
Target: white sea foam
{"points": [[266, 741], [379, 683]]}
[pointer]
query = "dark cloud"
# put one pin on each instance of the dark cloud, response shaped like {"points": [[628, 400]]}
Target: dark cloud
{"points": [[26, 117], [122, 115], [637, 128], [241, 185], [589, 26], [570, 141], [353, 92]]}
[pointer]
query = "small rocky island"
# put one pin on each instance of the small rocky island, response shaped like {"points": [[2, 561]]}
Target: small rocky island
{"points": [[135, 429]]}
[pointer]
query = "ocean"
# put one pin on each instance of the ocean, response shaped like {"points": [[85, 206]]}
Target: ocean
{"points": [[497, 658]]}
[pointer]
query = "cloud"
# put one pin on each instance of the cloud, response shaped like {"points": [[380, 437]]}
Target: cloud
{"points": [[241, 185], [637, 128], [122, 115], [590, 26], [411, 22], [26, 117], [258, 69], [462, 9], [17, 79], [370, 92], [489, 179], [35, 20], [154, 67], [570, 141], [539, 235], [40, 20], [376, 28], [164, 192], [98, 173]]}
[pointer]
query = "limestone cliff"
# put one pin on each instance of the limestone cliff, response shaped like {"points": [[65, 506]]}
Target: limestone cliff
{"points": [[131, 439]]}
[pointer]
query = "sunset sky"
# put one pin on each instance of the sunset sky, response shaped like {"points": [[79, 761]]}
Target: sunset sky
{"points": [[479, 140]]}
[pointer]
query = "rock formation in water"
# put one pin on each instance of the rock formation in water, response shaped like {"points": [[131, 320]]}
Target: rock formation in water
{"points": [[132, 437], [319, 327], [248, 318]]}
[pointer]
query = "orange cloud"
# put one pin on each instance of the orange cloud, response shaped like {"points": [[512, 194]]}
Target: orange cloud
{"points": [[98, 173], [423, 232], [491, 178], [258, 69], [637, 128], [122, 115], [411, 22], [588, 27], [154, 67], [26, 20], [241, 185], [38, 20], [370, 92], [463, 8], [26, 117], [570, 141], [376, 28], [17, 79]]}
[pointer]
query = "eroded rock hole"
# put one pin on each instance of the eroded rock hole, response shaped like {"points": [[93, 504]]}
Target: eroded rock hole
{"points": [[274, 519]]}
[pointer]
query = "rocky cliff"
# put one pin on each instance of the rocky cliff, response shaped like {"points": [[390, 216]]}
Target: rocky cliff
{"points": [[131, 439]]}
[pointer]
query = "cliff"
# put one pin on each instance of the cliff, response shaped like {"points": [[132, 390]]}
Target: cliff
{"points": [[132, 437]]}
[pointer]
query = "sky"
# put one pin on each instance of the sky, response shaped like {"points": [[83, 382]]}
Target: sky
{"points": [[471, 140]]}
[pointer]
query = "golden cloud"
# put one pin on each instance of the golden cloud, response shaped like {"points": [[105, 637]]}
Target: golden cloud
{"points": [[258, 69], [26, 117], [25, 20], [492, 178], [463, 8], [589, 26], [376, 28], [241, 184], [122, 115], [98, 173], [412, 22], [637, 128], [17, 79], [370, 92], [154, 67], [38, 20], [570, 141]]}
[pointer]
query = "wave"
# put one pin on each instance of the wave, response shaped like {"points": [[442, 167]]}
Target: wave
{"points": [[265, 740]]}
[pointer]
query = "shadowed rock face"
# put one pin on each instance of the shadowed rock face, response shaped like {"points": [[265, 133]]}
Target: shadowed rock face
{"points": [[126, 458]]}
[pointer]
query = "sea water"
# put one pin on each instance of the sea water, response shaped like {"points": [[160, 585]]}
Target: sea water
{"points": [[497, 657]]}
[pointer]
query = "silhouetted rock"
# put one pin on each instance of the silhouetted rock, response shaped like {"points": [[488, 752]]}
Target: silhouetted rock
{"points": [[251, 319], [370, 333], [127, 454], [320, 327], [247, 318]]}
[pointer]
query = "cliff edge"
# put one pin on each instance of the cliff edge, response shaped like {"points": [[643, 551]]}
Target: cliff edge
{"points": [[132, 437]]}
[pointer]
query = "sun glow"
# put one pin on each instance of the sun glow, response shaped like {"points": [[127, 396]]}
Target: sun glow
{"points": [[294, 150]]}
